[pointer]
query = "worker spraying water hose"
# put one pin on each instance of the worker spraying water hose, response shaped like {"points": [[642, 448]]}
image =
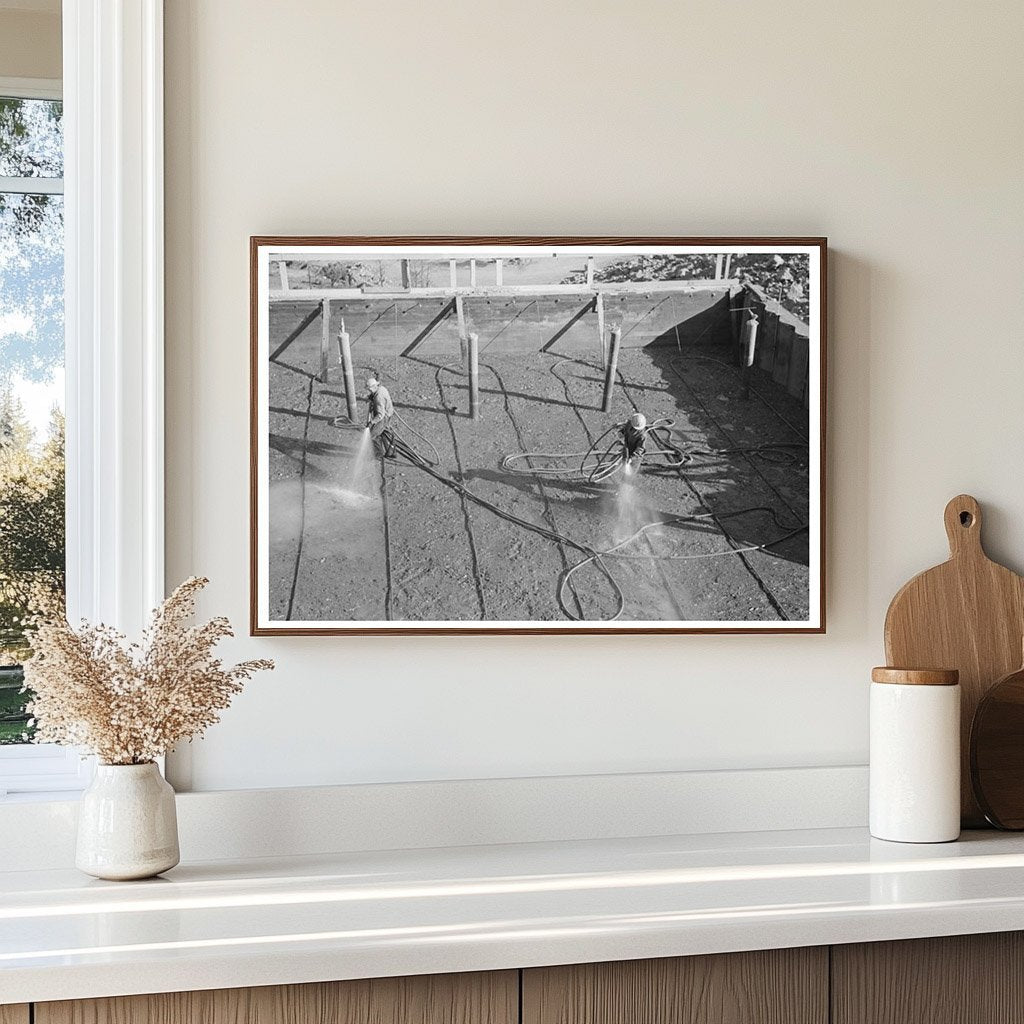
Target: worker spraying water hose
{"points": [[630, 443], [627, 453], [380, 414], [380, 423], [634, 439]]}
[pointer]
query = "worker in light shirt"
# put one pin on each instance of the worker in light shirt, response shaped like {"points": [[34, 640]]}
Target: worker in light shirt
{"points": [[634, 439], [378, 420]]}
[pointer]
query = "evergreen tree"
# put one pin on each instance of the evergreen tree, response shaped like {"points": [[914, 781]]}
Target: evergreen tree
{"points": [[32, 548]]}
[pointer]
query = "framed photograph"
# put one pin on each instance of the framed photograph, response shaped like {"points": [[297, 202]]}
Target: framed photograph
{"points": [[537, 435]]}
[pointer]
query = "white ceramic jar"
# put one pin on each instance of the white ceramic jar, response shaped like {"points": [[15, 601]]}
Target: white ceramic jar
{"points": [[915, 755], [127, 823]]}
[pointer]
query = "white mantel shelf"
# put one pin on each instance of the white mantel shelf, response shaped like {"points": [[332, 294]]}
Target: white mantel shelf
{"points": [[225, 924]]}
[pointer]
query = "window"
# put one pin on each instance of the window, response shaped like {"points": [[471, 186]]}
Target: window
{"points": [[111, 206], [31, 383], [32, 530]]}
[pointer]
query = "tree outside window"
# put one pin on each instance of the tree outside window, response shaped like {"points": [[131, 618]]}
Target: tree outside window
{"points": [[32, 542]]}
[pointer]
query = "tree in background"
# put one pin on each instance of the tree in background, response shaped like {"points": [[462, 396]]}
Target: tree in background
{"points": [[31, 146], [32, 550], [31, 243], [32, 546]]}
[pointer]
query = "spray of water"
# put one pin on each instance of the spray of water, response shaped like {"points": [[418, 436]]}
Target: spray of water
{"points": [[626, 506], [355, 483], [360, 463]]}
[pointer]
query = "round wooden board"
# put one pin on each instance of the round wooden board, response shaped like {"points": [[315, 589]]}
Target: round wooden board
{"points": [[997, 752]]}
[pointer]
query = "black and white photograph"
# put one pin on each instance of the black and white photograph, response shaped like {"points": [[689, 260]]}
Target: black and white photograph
{"points": [[537, 435]]}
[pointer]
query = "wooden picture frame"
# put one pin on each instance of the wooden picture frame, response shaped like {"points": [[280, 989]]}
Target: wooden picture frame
{"points": [[460, 502]]}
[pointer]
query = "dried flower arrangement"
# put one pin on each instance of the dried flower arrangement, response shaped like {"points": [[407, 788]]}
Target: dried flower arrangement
{"points": [[130, 703]]}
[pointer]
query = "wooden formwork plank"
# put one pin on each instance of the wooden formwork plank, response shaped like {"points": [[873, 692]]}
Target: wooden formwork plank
{"points": [[460, 314], [446, 311], [767, 337], [798, 365], [504, 291], [303, 324], [783, 352], [569, 324], [325, 341]]}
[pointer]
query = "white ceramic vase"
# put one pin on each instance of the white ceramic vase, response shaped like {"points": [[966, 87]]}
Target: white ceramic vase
{"points": [[127, 824]]}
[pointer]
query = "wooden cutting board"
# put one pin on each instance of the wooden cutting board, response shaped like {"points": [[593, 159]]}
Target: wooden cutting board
{"points": [[967, 614]]}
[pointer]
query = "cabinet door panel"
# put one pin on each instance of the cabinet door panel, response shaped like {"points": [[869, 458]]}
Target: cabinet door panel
{"points": [[960, 979], [490, 998], [14, 1014], [779, 986]]}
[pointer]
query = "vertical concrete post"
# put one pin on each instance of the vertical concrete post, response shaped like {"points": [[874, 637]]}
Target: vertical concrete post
{"points": [[474, 375], [460, 315], [749, 340], [472, 273], [325, 340], [718, 266], [282, 273], [748, 348], [497, 273], [599, 309], [728, 264], [590, 271], [453, 273], [406, 277], [350, 381], [611, 369]]}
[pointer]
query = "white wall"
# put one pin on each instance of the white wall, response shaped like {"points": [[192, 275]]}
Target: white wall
{"points": [[895, 129]]}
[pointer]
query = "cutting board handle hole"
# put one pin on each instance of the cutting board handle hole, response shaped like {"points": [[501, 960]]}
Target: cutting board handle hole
{"points": [[966, 518]]}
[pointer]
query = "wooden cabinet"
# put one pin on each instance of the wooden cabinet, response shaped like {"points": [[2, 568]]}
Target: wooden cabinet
{"points": [[969, 979], [962, 979], [491, 998], [778, 986]]}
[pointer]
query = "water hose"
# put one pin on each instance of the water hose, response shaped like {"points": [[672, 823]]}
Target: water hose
{"points": [[606, 464], [593, 556], [437, 455], [595, 468]]}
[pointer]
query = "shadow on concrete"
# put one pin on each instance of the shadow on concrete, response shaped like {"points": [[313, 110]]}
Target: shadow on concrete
{"points": [[742, 480], [296, 447]]}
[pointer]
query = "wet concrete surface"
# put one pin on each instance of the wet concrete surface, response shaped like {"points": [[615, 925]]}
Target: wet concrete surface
{"points": [[393, 543]]}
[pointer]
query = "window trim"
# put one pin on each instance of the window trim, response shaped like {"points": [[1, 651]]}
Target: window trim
{"points": [[32, 88], [114, 347], [31, 186], [43, 768], [113, 169]]}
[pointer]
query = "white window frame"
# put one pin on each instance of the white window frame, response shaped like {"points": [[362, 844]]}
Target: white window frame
{"points": [[114, 264]]}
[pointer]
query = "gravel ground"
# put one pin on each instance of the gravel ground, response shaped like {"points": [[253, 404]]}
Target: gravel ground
{"points": [[358, 539]]}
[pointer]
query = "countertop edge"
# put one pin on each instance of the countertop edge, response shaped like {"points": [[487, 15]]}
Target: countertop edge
{"points": [[497, 952]]}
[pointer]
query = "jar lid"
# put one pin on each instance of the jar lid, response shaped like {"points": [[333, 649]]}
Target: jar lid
{"points": [[916, 676]]}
